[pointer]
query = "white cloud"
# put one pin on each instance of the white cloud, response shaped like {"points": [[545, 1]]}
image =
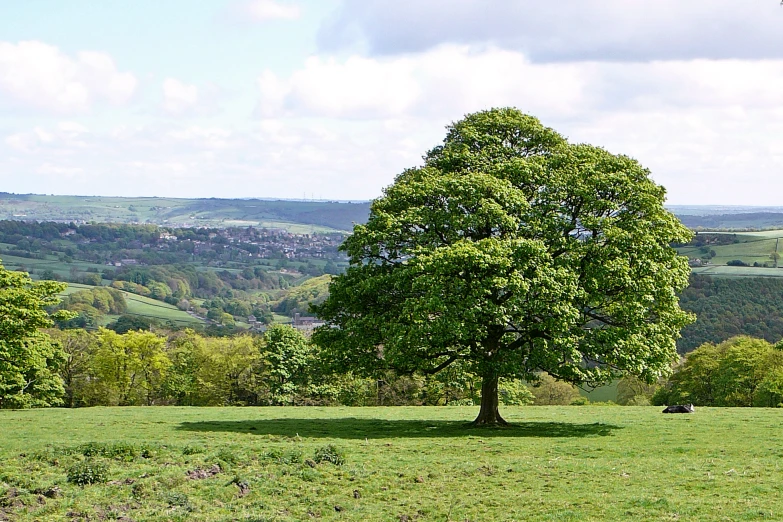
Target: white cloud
{"points": [[265, 10], [179, 97], [444, 82], [690, 121], [451, 80], [564, 30], [38, 75], [357, 87], [58, 170]]}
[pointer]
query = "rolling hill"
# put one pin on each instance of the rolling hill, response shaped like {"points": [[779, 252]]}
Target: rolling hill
{"points": [[294, 216]]}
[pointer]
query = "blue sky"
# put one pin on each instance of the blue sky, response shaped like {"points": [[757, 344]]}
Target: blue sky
{"points": [[333, 98]]}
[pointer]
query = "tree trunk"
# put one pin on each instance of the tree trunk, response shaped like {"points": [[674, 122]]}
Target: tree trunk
{"points": [[489, 414]]}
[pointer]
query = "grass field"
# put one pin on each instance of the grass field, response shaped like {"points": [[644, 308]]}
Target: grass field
{"points": [[50, 263], [555, 463], [738, 271], [146, 307], [751, 247]]}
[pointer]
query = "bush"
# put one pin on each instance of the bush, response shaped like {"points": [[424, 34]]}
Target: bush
{"points": [[736, 262], [123, 451], [580, 401], [639, 400], [88, 472], [467, 401], [551, 392], [329, 453], [515, 393], [293, 456]]}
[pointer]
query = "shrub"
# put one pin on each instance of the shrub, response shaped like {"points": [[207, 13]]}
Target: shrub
{"points": [[88, 472], [467, 401], [515, 393], [288, 457], [193, 450], [580, 401], [123, 451], [548, 391], [639, 400], [329, 453], [227, 456]]}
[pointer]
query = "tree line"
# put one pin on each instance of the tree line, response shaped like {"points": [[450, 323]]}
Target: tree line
{"points": [[282, 367]]}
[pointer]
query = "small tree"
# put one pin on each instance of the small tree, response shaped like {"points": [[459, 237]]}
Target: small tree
{"points": [[515, 252], [29, 360], [287, 355], [548, 391], [131, 367]]}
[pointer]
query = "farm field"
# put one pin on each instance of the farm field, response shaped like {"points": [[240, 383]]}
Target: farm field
{"points": [[50, 263], [417, 463], [146, 307], [750, 247], [737, 271]]}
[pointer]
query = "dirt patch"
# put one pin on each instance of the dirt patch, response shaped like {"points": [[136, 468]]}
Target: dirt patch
{"points": [[198, 474]]}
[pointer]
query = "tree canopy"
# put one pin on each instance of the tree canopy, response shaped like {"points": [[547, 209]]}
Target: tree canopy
{"points": [[514, 252], [741, 371], [28, 359]]}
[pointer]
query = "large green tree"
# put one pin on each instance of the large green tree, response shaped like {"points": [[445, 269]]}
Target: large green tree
{"points": [[29, 360], [515, 252]]}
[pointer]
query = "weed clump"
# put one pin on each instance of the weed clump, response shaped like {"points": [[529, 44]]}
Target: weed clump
{"points": [[176, 499], [88, 472], [122, 451], [192, 450], [285, 457], [329, 453], [227, 456]]}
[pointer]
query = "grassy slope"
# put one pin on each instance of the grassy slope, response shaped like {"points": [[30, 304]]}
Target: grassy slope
{"points": [[144, 306], [752, 247], [557, 463], [50, 263]]}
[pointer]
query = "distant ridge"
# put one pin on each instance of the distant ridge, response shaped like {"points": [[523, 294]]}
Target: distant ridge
{"points": [[294, 215]]}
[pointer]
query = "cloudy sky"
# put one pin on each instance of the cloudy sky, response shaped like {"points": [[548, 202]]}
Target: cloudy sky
{"points": [[330, 99]]}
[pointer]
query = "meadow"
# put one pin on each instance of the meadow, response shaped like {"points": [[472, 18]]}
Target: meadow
{"points": [[749, 247], [145, 307], [403, 464]]}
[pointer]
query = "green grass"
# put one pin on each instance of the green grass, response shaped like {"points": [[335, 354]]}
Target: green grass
{"points": [[555, 463], [751, 247], [50, 263], [738, 271], [146, 307]]}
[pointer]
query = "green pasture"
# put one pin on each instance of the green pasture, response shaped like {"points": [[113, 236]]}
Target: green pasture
{"points": [[416, 463], [146, 307], [750, 247], [49, 263], [760, 234], [738, 271]]}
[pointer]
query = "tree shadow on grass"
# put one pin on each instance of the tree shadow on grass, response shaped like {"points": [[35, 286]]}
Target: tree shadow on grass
{"points": [[352, 428]]}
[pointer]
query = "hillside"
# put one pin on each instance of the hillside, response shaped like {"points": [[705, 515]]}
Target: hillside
{"points": [[752, 254], [294, 216]]}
